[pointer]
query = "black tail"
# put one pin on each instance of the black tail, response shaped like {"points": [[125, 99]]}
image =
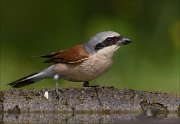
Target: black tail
{"points": [[30, 79]]}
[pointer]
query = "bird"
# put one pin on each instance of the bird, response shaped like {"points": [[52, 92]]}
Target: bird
{"points": [[80, 63]]}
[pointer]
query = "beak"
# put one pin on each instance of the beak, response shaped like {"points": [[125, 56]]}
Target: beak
{"points": [[124, 41]]}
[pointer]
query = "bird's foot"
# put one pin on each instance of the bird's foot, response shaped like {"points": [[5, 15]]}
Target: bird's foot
{"points": [[86, 84], [56, 89], [56, 92]]}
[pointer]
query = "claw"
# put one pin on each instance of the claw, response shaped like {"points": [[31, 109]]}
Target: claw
{"points": [[56, 88], [86, 84]]}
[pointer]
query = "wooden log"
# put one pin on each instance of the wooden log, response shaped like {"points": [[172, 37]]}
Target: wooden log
{"points": [[97, 100]]}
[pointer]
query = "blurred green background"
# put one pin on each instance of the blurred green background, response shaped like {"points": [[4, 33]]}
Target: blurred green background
{"points": [[151, 62]]}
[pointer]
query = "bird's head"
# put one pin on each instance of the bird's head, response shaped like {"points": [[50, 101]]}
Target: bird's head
{"points": [[106, 43]]}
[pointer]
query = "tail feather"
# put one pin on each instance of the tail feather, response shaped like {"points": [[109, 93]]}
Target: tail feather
{"points": [[30, 79]]}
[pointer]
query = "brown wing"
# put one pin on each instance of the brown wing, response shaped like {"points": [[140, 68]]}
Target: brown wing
{"points": [[76, 54]]}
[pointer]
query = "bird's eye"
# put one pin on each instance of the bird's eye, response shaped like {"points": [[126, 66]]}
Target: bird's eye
{"points": [[109, 39]]}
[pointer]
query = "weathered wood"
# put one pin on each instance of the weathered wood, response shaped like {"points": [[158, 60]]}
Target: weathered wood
{"points": [[102, 102], [87, 99]]}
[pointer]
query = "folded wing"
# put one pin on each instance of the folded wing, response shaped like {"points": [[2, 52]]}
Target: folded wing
{"points": [[76, 54]]}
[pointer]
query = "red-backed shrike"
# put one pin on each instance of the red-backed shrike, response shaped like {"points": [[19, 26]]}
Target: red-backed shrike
{"points": [[81, 63]]}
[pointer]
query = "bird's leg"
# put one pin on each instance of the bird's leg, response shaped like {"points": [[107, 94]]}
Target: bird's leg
{"points": [[86, 84], [56, 78]]}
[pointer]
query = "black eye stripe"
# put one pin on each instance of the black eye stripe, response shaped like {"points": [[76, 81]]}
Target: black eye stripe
{"points": [[107, 42], [99, 46]]}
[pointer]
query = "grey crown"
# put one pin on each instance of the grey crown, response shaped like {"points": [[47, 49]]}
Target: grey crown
{"points": [[98, 38]]}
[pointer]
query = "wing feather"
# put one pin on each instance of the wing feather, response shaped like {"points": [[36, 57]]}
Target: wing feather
{"points": [[76, 54]]}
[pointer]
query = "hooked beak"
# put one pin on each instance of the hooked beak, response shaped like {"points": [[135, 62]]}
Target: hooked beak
{"points": [[124, 41]]}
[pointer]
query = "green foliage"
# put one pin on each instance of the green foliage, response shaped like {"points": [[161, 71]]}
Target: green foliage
{"points": [[30, 28]]}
